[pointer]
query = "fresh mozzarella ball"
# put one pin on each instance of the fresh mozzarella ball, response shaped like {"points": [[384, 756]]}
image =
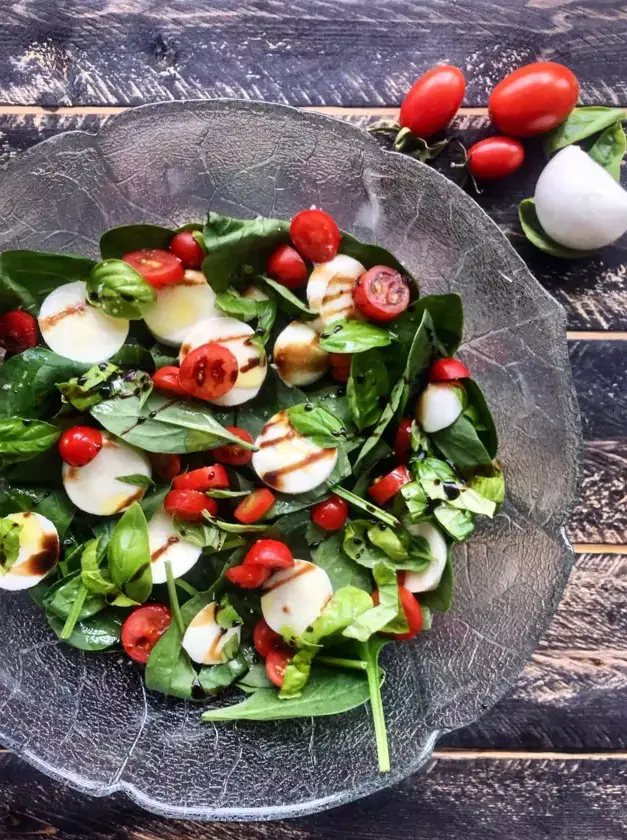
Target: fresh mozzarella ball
{"points": [[254, 293], [76, 330], [204, 639], [293, 598], [297, 355], [288, 461], [167, 544], [338, 303], [39, 552], [95, 488], [439, 406], [181, 307], [429, 578], [340, 266], [235, 336], [578, 202]]}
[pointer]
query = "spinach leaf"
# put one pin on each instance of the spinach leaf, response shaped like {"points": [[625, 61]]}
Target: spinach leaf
{"points": [[609, 149], [353, 337], [285, 300], [368, 454], [376, 618], [440, 599], [490, 487], [367, 388], [334, 400], [27, 277], [213, 678], [232, 303], [486, 429], [202, 535], [255, 678], [582, 123], [28, 383], [460, 444], [129, 555], [120, 240], [359, 548], [169, 669], [63, 594], [316, 423], [363, 504], [153, 500], [369, 651], [98, 632], [235, 527], [93, 577], [133, 355], [342, 571], [457, 523], [447, 316], [370, 255], [85, 391], [9, 544], [416, 500], [24, 439], [53, 504], [119, 290], [535, 233], [162, 356]]}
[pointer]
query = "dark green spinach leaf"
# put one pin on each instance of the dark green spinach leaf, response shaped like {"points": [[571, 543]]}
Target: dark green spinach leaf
{"points": [[367, 388], [23, 439], [580, 124], [353, 337], [99, 632], [317, 424], [537, 236], [27, 277], [460, 444], [609, 149], [129, 555], [28, 383], [120, 240]]}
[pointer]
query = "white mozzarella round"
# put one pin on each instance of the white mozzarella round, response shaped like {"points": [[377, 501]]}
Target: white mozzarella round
{"points": [[204, 639], [340, 266], [439, 405], [235, 336], [39, 552], [167, 544], [95, 488], [293, 598], [180, 307], [429, 578], [338, 303], [289, 462], [78, 331], [297, 355]]}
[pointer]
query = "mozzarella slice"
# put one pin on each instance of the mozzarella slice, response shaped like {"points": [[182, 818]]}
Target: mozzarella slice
{"points": [[95, 488], [234, 335], [179, 308], [293, 598], [439, 406], [297, 355], [429, 578], [167, 544], [76, 330], [338, 303], [39, 552], [204, 639], [289, 462], [340, 266]]}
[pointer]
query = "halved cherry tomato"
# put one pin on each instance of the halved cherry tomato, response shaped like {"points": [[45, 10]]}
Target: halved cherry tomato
{"points": [[315, 235], [209, 371], [402, 440], [189, 505], [205, 478], [340, 366], [264, 638], [287, 267], [270, 554], [533, 99], [80, 445], [157, 267], [276, 662], [495, 157], [248, 577], [167, 379], [381, 293], [385, 488], [18, 331], [231, 453], [166, 467], [413, 614], [254, 506], [330, 514], [143, 628], [184, 246], [433, 101], [446, 370]]}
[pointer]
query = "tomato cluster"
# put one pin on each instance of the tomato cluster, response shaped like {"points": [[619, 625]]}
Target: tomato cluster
{"points": [[262, 559]]}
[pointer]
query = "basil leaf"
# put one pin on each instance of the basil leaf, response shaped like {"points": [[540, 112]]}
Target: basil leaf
{"points": [[62, 595], [23, 439], [334, 400], [129, 555], [487, 433], [458, 523], [342, 571], [416, 500], [136, 480], [94, 578], [286, 301], [255, 678], [359, 548], [89, 389], [53, 504], [119, 290], [376, 618], [447, 317], [460, 444], [153, 500], [367, 388], [441, 598], [582, 123], [213, 678], [27, 277], [163, 356], [316, 423], [169, 669], [9, 544], [609, 149], [235, 527], [489, 487], [232, 303], [120, 240], [370, 255], [227, 616], [226, 494], [363, 504], [205, 536], [98, 632], [535, 234], [28, 383], [353, 337]]}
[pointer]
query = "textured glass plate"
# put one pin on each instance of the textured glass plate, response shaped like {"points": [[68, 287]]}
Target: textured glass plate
{"points": [[86, 719]]}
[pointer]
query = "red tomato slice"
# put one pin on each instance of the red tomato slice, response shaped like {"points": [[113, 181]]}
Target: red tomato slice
{"points": [[189, 505], [188, 251], [269, 554], [209, 371], [18, 331], [287, 267], [315, 235], [402, 440], [167, 379], [381, 293], [248, 577], [142, 630], [413, 614], [446, 370], [166, 467], [433, 100], [264, 638], [340, 366], [384, 489], [254, 506], [495, 157], [277, 661], [80, 445], [330, 514], [233, 454], [205, 478], [157, 267]]}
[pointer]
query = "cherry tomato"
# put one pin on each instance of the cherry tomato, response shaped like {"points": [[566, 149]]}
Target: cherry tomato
{"points": [[402, 440], [80, 445], [385, 488], [166, 467], [205, 478], [231, 453], [248, 577], [270, 554], [330, 514], [189, 505], [209, 371], [495, 157], [381, 293], [413, 614], [287, 267], [188, 251], [433, 101], [340, 366], [157, 267], [446, 370], [315, 235], [142, 630], [264, 638], [254, 506], [276, 662], [167, 379], [533, 99], [18, 331]]}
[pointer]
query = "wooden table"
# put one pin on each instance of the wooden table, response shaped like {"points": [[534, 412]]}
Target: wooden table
{"points": [[551, 759]]}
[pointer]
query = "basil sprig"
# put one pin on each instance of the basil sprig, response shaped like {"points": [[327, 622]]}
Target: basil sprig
{"points": [[119, 290], [317, 424]]}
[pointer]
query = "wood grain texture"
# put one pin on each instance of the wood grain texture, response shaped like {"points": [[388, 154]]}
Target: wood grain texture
{"points": [[601, 513]]}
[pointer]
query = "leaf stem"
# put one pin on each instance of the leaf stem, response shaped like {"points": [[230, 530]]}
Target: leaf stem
{"points": [[376, 704], [186, 587], [373, 510], [77, 606], [174, 600], [339, 662]]}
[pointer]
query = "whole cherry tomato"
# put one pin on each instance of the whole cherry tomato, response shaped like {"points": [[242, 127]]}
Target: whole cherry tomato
{"points": [[231, 453], [315, 235], [413, 614], [402, 440], [157, 267], [209, 371], [185, 247], [205, 478], [385, 488], [277, 661], [433, 101], [446, 370], [142, 630], [166, 467], [265, 638], [287, 267], [18, 331], [495, 157], [254, 506], [330, 514], [270, 554], [167, 379], [248, 577], [381, 293], [79, 445], [340, 366], [533, 99], [189, 505]]}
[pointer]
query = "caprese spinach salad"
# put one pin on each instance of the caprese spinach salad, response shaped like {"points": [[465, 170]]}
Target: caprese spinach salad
{"points": [[242, 451]]}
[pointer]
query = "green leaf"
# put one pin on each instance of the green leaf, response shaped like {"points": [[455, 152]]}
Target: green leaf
{"points": [[89, 389], [286, 301], [447, 316], [27, 277], [490, 486], [334, 400], [169, 669], [369, 255], [53, 504], [416, 500], [137, 480], [227, 616], [120, 240], [609, 149], [129, 555], [316, 423], [353, 337], [459, 443], [377, 617], [9, 544], [582, 123], [214, 678], [342, 571], [119, 290], [369, 651], [368, 507], [367, 388], [535, 234], [99, 632], [63, 594], [232, 303], [93, 577], [23, 439], [440, 599], [359, 548], [486, 429], [28, 383], [255, 678], [458, 523]]}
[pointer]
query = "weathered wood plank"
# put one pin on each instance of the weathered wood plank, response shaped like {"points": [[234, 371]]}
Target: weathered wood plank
{"points": [[601, 513]]}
